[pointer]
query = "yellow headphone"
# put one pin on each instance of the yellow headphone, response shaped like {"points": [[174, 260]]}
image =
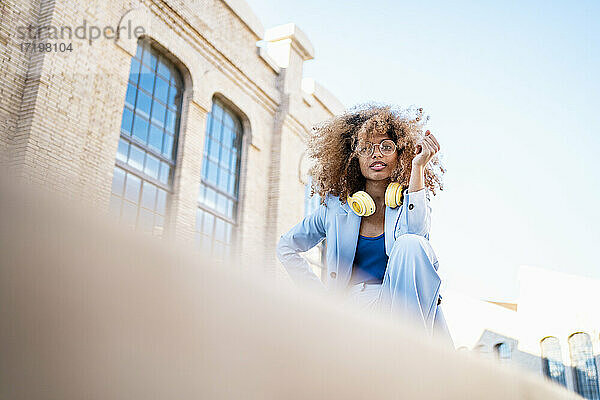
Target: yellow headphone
{"points": [[363, 205]]}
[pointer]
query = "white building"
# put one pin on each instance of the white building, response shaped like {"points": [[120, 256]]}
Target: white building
{"points": [[553, 329]]}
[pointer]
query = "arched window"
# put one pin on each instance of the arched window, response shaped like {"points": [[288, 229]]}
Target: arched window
{"points": [[218, 195], [552, 363], [502, 351], [317, 255], [584, 365], [142, 178]]}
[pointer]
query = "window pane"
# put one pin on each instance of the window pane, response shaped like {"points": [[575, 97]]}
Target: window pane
{"points": [[161, 201], [146, 79], [161, 89], [213, 150], [201, 194], [228, 229], [223, 179], [229, 211], [231, 188], [217, 111], [158, 114], [118, 181], [143, 104], [170, 121], [207, 226], [212, 173], [552, 360], [140, 128], [130, 95], [176, 80], [204, 170], [225, 158], [221, 204], [165, 171], [132, 188], [174, 97], [134, 73], [149, 58], [155, 138], [199, 219], [148, 195], [215, 131], [168, 146], [234, 160], [210, 198], [122, 150], [163, 69], [228, 120], [136, 157], [228, 137], [152, 166], [584, 365], [127, 120], [502, 351]]}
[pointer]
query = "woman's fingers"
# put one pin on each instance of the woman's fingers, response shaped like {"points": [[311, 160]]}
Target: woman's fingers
{"points": [[431, 144], [428, 148], [435, 141]]}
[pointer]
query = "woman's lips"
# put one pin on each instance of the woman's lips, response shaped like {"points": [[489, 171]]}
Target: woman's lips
{"points": [[377, 166]]}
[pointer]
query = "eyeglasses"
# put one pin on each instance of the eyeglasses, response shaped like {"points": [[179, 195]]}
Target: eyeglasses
{"points": [[387, 147]]}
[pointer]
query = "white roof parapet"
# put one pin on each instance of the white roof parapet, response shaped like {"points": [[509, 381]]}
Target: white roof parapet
{"points": [[264, 54], [324, 96], [245, 13], [297, 36]]}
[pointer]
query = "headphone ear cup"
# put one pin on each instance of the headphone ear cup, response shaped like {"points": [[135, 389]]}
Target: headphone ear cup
{"points": [[400, 195], [355, 205], [392, 199], [362, 204]]}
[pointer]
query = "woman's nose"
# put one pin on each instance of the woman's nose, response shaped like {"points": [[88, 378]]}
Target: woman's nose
{"points": [[377, 149]]}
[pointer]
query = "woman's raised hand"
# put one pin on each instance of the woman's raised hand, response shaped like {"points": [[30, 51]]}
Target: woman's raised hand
{"points": [[426, 149]]}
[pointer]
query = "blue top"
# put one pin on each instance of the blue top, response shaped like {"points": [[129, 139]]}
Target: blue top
{"points": [[370, 260]]}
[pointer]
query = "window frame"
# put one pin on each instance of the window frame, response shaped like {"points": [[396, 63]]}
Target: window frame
{"points": [[236, 199], [175, 82], [579, 388]]}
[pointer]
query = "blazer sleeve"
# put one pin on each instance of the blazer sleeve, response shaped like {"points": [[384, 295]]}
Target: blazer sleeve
{"points": [[303, 236], [415, 215]]}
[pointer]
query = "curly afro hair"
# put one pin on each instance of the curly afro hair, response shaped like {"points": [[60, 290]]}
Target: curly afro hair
{"points": [[332, 148]]}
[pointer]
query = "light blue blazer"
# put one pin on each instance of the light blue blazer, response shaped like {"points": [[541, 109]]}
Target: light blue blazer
{"points": [[340, 226]]}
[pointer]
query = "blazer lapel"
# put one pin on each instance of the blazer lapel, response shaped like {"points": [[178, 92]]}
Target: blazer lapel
{"points": [[391, 215], [348, 226]]}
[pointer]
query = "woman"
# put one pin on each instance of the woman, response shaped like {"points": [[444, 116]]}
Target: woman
{"points": [[381, 259]]}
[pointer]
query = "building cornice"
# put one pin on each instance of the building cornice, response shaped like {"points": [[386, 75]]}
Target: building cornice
{"points": [[180, 25]]}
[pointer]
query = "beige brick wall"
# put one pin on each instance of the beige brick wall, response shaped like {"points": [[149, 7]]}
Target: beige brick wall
{"points": [[14, 67], [61, 112]]}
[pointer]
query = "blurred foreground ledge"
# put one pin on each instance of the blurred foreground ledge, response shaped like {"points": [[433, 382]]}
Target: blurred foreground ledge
{"points": [[92, 310]]}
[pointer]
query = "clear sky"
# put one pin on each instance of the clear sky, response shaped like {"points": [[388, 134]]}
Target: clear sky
{"points": [[512, 89]]}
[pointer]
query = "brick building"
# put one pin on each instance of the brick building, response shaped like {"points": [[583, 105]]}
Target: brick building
{"points": [[189, 122]]}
